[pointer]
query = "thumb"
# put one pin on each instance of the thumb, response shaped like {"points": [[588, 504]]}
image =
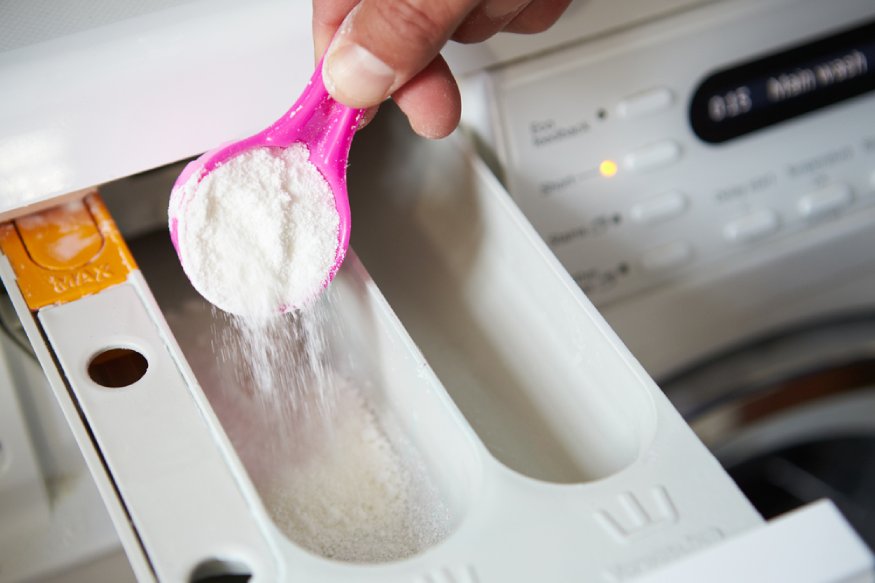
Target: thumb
{"points": [[382, 44]]}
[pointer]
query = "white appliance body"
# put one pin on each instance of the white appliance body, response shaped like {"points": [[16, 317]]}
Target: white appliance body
{"points": [[687, 246]]}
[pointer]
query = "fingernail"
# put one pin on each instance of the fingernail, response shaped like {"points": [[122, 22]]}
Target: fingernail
{"points": [[355, 76]]}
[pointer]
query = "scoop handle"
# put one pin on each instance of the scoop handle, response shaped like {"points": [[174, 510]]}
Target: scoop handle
{"points": [[326, 126]]}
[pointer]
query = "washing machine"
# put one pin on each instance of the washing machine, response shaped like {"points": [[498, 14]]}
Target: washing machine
{"points": [[656, 219], [708, 179]]}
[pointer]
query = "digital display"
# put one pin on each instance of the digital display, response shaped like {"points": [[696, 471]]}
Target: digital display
{"points": [[784, 85]]}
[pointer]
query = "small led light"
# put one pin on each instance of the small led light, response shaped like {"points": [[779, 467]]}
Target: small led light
{"points": [[608, 168]]}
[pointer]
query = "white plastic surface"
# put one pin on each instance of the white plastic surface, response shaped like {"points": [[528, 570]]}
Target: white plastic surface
{"points": [[24, 503], [94, 91], [77, 534], [825, 200], [809, 269], [78, 528], [645, 102], [825, 272], [660, 207], [751, 227], [163, 451], [583, 19], [146, 86], [465, 287], [58, 523], [615, 477], [550, 131], [667, 256], [813, 544], [652, 156]]}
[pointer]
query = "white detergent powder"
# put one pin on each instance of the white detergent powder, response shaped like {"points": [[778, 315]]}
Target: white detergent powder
{"points": [[346, 493], [313, 439], [260, 232]]}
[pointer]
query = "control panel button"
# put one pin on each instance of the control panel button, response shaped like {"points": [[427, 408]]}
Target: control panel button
{"points": [[659, 208], [827, 199], [652, 156], [645, 102], [667, 256], [753, 226]]}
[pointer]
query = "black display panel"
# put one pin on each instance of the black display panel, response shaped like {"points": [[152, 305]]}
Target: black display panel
{"points": [[757, 94]]}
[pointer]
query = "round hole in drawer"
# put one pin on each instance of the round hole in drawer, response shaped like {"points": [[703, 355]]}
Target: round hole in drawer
{"points": [[117, 367], [220, 571]]}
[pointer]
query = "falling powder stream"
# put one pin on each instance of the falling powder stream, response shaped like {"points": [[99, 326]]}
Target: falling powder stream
{"points": [[321, 459]]}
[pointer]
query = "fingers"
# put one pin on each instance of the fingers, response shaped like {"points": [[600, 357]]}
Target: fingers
{"points": [[383, 44], [378, 48], [431, 100]]}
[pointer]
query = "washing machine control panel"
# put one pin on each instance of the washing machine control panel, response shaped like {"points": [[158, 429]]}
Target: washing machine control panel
{"points": [[655, 152]]}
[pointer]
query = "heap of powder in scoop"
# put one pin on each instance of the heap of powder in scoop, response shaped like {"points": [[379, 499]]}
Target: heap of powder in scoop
{"points": [[259, 233]]}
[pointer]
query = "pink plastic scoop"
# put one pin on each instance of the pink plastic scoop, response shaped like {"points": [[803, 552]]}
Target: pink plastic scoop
{"points": [[316, 120]]}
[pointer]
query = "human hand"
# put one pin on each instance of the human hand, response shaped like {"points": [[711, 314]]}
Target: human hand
{"points": [[386, 48]]}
